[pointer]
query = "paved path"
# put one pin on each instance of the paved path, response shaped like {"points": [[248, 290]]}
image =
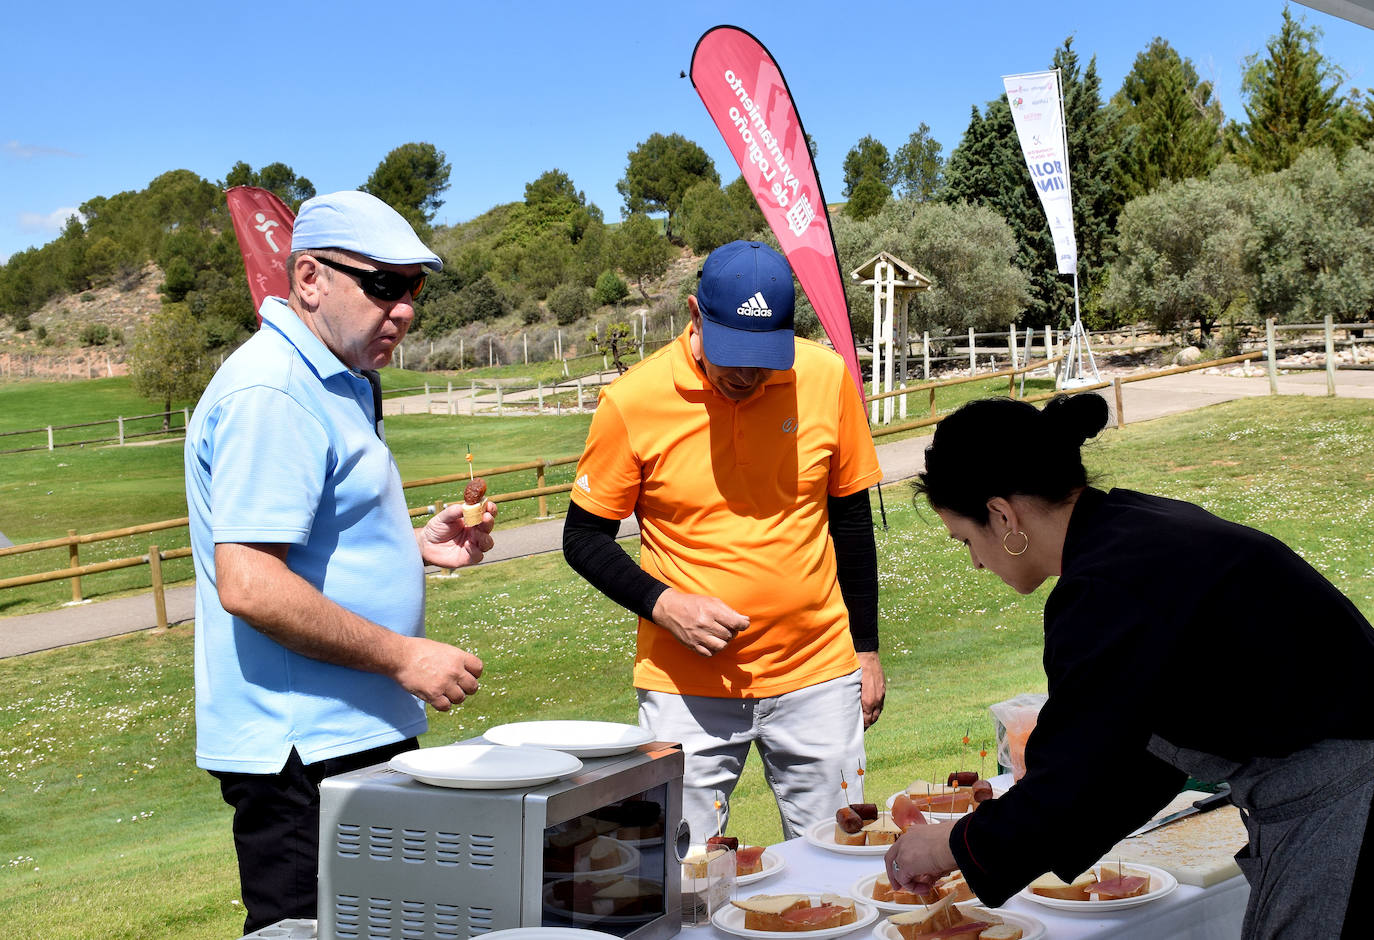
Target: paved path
{"points": [[901, 460]]}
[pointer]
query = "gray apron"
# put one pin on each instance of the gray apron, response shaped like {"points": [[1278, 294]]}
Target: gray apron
{"points": [[1306, 816]]}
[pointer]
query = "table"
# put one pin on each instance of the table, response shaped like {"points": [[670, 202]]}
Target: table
{"points": [[1212, 913], [1189, 912]]}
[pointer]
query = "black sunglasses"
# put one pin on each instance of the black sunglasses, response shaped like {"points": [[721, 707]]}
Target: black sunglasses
{"points": [[383, 285]]}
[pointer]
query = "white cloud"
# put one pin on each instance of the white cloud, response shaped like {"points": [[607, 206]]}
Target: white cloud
{"points": [[29, 151], [51, 223]]}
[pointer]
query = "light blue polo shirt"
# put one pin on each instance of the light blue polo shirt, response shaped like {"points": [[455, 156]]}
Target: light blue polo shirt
{"points": [[282, 448]]}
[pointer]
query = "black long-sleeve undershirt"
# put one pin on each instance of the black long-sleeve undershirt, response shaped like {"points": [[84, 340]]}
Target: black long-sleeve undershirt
{"points": [[591, 550]]}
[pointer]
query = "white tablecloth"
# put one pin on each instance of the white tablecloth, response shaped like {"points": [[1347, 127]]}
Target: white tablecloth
{"points": [[1212, 913]]}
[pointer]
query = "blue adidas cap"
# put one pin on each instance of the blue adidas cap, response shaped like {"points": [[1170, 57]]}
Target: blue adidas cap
{"points": [[360, 222], [746, 299]]}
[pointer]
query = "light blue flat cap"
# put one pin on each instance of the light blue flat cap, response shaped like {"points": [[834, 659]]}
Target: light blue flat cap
{"points": [[358, 221]]}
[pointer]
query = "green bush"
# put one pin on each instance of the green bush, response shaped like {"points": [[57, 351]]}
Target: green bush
{"points": [[94, 334], [569, 303], [610, 289]]}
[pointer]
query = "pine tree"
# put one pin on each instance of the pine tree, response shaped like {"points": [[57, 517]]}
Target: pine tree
{"points": [[1166, 121], [1291, 101], [867, 177]]}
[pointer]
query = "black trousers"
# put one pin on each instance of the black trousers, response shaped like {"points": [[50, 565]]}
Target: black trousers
{"points": [[277, 831]]}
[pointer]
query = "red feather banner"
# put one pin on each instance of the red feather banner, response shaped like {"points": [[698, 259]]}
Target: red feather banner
{"points": [[746, 95], [263, 224]]}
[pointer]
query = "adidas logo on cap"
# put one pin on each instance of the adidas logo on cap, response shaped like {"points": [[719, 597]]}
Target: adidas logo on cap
{"points": [[755, 306]]}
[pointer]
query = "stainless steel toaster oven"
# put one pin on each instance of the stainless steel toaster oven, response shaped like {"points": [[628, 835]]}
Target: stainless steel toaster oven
{"points": [[598, 850]]}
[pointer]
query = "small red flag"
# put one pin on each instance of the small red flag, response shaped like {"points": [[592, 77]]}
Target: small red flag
{"points": [[747, 97], [262, 223]]}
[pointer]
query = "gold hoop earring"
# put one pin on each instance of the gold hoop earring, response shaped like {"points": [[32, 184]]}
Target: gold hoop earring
{"points": [[1025, 544]]}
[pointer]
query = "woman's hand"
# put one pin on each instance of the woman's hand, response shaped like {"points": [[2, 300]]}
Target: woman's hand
{"points": [[921, 854]]}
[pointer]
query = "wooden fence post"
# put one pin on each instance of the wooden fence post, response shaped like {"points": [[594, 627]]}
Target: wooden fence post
{"points": [[74, 560], [1330, 357], [50, 437], [972, 354], [120, 419], [925, 353], [1273, 364], [159, 595], [539, 482], [1120, 411]]}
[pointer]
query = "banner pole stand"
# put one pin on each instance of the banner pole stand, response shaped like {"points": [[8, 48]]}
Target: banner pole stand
{"points": [[882, 510]]}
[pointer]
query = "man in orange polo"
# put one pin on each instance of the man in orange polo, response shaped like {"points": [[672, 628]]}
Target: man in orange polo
{"points": [[746, 456]]}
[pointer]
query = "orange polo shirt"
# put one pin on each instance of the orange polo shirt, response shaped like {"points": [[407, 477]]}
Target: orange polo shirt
{"points": [[731, 502]]}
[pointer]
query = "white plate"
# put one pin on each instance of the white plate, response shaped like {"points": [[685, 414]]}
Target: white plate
{"points": [[547, 933], [587, 917], [931, 817], [1031, 929], [1161, 883], [862, 890], [822, 836], [580, 738], [731, 920], [772, 864], [485, 766]]}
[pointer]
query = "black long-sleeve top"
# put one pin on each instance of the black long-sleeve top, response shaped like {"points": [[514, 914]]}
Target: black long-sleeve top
{"points": [[1166, 621], [591, 550]]}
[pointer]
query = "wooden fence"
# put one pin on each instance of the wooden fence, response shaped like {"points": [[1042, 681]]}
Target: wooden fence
{"points": [[154, 557], [541, 491]]}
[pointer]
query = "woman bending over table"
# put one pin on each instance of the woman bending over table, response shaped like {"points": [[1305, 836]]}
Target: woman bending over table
{"points": [[1176, 643]]}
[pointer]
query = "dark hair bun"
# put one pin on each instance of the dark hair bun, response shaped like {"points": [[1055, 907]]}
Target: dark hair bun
{"points": [[1075, 418]]}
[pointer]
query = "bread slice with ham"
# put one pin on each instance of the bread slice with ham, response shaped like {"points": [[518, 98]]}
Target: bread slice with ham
{"points": [[1115, 881], [764, 911], [1050, 885], [925, 921], [795, 913]]}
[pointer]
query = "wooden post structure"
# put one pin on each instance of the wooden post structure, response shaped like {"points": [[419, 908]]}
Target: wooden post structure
{"points": [[893, 281], [540, 484], [1120, 411], [74, 561], [1273, 365], [1330, 357], [159, 596]]}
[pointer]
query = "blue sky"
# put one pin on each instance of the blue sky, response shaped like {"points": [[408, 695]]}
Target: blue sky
{"points": [[101, 98]]}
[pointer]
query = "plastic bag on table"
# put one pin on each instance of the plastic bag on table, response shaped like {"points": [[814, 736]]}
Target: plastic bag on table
{"points": [[1015, 719]]}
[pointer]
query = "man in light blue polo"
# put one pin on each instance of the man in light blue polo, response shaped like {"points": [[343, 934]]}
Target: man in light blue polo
{"points": [[310, 655]]}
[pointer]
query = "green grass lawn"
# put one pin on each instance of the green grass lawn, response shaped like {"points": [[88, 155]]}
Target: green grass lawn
{"points": [[108, 830], [98, 488]]}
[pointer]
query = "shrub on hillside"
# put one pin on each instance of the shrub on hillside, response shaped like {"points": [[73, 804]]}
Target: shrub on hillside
{"points": [[94, 334], [610, 289], [569, 303]]}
